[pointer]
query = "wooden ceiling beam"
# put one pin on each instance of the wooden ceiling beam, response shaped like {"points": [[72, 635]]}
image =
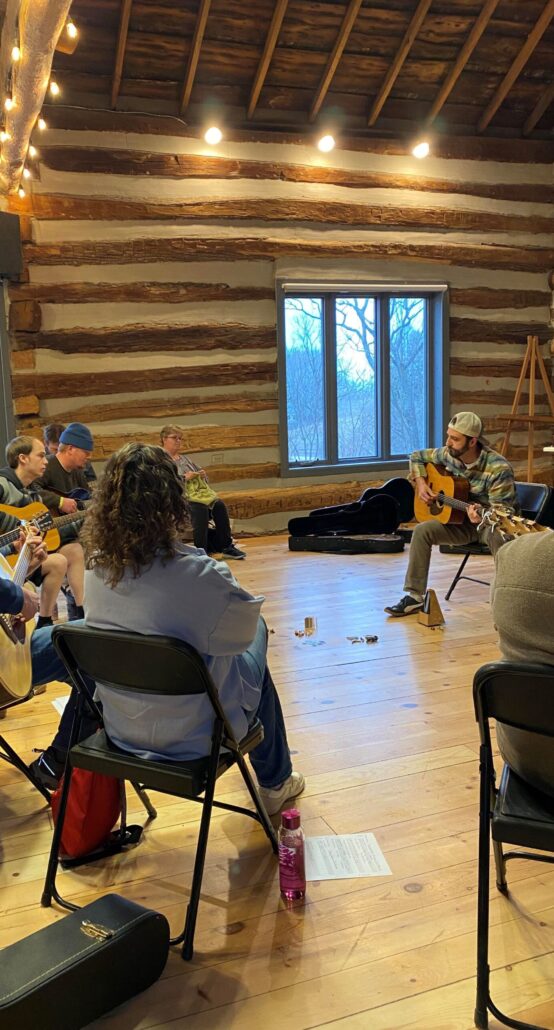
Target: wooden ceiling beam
{"points": [[396, 66], [463, 57], [124, 17], [517, 66], [270, 44], [199, 30], [538, 110], [332, 63]]}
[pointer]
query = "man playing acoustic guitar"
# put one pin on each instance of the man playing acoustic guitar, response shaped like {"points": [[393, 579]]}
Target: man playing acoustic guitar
{"points": [[26, 459], [466, 454]]}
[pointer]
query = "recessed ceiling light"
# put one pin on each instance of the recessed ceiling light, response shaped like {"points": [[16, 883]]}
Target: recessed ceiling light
{"points": [[71, 30], [16, 53], [421, 149], [326, 143], [21, 191], [41, 124], [213, 135], [54, 88]]}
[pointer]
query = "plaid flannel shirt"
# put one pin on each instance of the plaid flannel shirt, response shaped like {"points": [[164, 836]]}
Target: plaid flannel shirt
{"points": [[491, 477]]}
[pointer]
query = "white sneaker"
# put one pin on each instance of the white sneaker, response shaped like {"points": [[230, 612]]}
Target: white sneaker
{"points": [[275, 797]]}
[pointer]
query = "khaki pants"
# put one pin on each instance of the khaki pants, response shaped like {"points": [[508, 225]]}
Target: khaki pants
{"points": [[426, 534]]}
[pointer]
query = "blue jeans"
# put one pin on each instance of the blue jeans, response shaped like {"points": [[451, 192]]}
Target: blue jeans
{"points": [[47, 666], [271, 758]]}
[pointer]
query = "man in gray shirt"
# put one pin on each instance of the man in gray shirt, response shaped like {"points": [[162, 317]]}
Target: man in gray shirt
{"points": [[523, 611]]}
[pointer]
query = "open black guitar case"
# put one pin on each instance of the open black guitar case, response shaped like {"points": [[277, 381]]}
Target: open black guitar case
{"points": [[365, 526]]}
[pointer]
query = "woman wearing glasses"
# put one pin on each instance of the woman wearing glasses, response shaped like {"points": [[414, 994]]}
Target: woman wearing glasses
{"points": [[204, 504]]}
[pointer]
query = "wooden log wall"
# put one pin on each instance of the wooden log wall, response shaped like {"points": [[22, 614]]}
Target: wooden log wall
{"points": [[149, 293]]}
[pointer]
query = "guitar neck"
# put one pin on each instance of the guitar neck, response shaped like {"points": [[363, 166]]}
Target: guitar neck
{"points": [[22, 565], [8, 538], [72, 517]]}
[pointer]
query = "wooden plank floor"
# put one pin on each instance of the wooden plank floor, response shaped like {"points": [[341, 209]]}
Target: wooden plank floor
{"points": [[386, 737]]}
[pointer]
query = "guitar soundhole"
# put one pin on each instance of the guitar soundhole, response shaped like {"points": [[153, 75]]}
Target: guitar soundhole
{"points": [[435, 506]]}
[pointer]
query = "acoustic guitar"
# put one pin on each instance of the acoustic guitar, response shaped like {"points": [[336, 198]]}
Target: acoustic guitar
{"points": [[15, 638], [451, 504], [40, 516]]}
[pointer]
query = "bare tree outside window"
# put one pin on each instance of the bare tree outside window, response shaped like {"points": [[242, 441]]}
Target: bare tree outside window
{"points": [[305, 379], [356, 377], [408, 373], [374, 405]]}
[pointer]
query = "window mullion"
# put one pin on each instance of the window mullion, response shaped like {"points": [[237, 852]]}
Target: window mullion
{"points": [[330, 330], [383, 366]]}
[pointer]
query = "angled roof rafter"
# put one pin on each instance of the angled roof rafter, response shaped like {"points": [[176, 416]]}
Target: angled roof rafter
{"points": [[402, 53], [335, 56], [123, 31], [539, 109], [194, 55], [462, 59], [265, 60], [517, 65]]}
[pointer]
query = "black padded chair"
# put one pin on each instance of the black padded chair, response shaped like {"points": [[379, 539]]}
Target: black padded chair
{"points": [[535, 502], [158, 665], [515, 813]]}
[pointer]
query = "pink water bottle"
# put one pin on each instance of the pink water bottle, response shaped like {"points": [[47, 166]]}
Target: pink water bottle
{"points": [[292, 875]]}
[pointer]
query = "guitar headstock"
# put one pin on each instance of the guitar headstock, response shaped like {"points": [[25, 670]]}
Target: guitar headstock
{"points": [[42, 522], [508, 524]]}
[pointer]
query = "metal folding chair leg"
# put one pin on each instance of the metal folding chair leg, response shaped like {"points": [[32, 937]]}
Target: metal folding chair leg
{"points": [[267, 825], [141, 793], [482, 995], [500, 865], [460, 575], [199, 859], [11, 756], [50, 890]]}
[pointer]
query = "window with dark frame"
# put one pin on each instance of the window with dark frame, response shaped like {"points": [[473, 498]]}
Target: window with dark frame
{"points": [[362, 374]]}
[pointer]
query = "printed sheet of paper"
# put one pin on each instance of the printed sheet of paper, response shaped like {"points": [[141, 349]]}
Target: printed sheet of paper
{"points": [[60, 703], [340, 857]]}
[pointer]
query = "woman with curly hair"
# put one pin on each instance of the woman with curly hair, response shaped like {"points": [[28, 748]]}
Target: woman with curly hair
{"points": [[141, 578]]}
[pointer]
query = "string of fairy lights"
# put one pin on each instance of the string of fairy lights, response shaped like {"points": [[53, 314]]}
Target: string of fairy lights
{"points": [[10, 102]]}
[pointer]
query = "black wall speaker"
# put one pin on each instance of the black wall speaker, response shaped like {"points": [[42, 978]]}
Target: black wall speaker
{"points": [[11, 256]]}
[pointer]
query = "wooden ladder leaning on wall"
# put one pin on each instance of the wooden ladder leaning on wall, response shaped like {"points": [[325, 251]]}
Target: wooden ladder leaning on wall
{"points": [[531, 360]]}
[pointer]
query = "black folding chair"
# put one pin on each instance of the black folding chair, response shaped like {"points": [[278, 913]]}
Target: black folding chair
{"points": [[514, 813], [163, 666], [534, 500]]}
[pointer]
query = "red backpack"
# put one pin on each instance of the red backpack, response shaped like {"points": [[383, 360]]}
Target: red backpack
{"points": [[94, 806]]}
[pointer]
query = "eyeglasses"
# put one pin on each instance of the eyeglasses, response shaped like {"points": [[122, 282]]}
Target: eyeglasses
{"points": [[173, 436]]}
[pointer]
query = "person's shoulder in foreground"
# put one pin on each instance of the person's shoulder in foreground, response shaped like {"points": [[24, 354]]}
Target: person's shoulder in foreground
{"points": [[522, 598]]}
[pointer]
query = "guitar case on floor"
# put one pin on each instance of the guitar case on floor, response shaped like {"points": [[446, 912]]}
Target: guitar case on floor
{"points": [[75, 970], [365, 526], [379, 543]]}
